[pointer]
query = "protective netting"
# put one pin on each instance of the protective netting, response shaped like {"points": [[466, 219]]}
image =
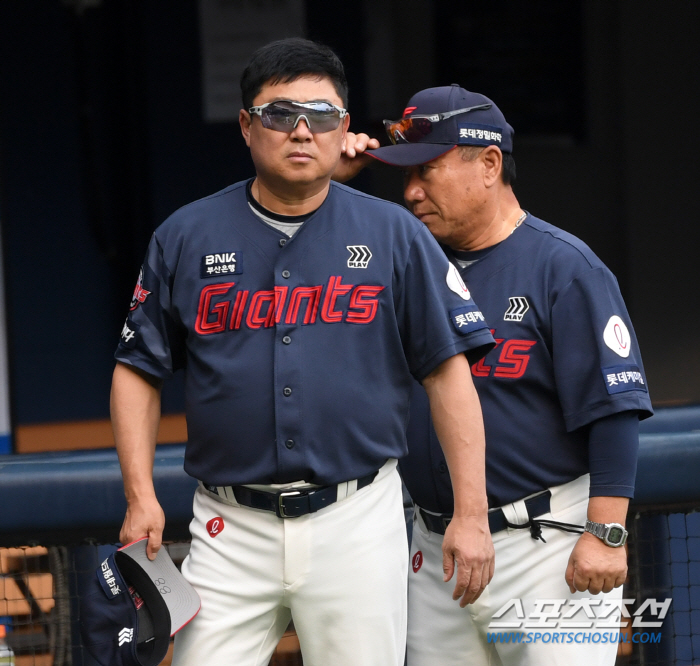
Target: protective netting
{"points": [[39, 603], [664, 563]]}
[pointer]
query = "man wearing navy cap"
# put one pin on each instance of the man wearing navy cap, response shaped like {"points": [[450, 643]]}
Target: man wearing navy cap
{"points": [[562, 394]]}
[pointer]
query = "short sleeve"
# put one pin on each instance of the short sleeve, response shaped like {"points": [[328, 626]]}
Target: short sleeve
{"points": [[152, 339], [437, 316], [597, 363]]}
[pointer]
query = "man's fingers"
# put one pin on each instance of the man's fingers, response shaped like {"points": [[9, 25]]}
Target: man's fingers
{"points": [[356, 144], [582, 582], [464, 577], [475, 585], [448, 566], [569, 576], [594, 586], [154, 543], [608, 585]]}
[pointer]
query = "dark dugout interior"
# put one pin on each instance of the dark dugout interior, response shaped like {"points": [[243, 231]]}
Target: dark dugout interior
{"points": [[110, 120]]}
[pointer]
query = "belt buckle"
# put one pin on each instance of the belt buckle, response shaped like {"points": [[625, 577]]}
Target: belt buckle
{"points": [[445, 521], [280, 502]]}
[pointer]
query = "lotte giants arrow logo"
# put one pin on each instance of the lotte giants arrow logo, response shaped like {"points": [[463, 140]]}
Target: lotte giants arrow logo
{"points": [[517, 308], [359, 256], [126, 635]]}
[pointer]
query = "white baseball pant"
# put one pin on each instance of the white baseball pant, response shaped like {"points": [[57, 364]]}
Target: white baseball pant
{"points": [[339, 573], [440, 633]]}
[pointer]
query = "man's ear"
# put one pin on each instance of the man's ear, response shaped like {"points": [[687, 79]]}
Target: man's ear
{"points": [[492, 159], [244, 119], [346, 125]]}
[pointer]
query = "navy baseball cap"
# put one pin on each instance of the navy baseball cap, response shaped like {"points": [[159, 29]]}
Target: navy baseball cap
{"points": [[438, 119], [133, 606]]}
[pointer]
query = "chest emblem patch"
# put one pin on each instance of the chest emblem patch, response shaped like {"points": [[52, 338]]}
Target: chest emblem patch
{"points": [[517, 307], [359, 256], [221, 263]]}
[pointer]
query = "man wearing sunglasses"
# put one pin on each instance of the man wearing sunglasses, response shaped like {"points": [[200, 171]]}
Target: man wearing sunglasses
{"points": [[562, 394], [300, 311]]}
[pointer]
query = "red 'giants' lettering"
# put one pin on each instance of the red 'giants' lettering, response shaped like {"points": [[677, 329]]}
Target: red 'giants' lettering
{"points": [[264, 309], [512, 360]]}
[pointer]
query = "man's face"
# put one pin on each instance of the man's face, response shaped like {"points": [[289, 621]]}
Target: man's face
{"points": [[448, 195], [301, 158]]}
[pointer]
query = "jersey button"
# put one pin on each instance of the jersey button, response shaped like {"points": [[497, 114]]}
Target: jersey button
{"points": [[287, 391], [442, 467], [286, 339], [283, 242], [285, 274], [289, 443]]}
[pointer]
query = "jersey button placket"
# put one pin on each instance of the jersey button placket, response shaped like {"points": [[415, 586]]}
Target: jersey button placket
{"points": [[288, 370]]}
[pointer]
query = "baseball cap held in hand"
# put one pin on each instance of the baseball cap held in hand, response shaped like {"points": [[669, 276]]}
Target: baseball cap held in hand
{"points": [[134, 605], [438, 119]]}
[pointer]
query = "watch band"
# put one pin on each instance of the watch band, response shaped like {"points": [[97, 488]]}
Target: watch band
{"points": [[597, 529]]}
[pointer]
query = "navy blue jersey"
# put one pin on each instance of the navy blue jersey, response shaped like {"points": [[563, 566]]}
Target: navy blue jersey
{"points": [[566, 356], [298, 353]]}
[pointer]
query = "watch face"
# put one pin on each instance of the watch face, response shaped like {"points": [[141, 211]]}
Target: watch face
{"points": [[615, 534]]}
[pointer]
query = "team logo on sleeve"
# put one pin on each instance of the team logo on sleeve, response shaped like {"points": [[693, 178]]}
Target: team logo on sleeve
{"points": [[140, 294], [359, 256], [456, 284], [517, 308], [220, 263], [617, 336]]}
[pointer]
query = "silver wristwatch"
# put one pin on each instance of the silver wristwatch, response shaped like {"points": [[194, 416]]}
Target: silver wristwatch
{"points": [[611, 534]]}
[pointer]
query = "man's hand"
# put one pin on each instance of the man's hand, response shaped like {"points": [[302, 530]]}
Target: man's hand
{"points": [[353, 160], [144, 518], [595, 567], [467, 544]]}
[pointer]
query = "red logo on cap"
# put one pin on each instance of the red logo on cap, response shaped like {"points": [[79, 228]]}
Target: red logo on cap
{"points": [[138, 601], [417, 561], [409, 109], [215, 526]]}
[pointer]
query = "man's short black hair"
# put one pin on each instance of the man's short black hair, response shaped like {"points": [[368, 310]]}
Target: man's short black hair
{"points": [[508, 172], [287, 60]]}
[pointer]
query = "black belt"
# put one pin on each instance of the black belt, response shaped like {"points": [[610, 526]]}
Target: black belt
{"points": [[287, 503], [535, 506]]}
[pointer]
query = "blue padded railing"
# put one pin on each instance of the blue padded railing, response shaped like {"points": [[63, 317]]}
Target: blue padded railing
{"points": [[81, 493], [673, 419]]}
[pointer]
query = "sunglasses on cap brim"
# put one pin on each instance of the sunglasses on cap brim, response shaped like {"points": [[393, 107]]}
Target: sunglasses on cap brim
{"points": [[415, 128], [284, 115]]}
